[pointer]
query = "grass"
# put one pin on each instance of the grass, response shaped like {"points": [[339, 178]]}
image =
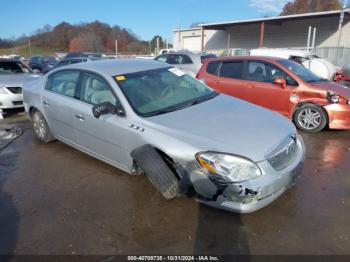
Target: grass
{"points": [[24, 51]]}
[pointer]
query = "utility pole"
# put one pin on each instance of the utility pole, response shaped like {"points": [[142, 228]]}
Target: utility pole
{"points": [[116, 48], [178, 34], [30, 48], [157, 45]]}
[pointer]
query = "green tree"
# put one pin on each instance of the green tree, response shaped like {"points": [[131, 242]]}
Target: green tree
{"points": [[162, 43]]}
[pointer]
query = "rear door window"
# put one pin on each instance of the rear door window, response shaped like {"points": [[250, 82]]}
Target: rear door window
{"points": [[63, 82], [175, 59], [231, 69]]}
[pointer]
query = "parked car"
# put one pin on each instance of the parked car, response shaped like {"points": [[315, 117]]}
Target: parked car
{"points": [[166, 51], [282, 86], [234, 52], [75, 60], [188, 62], [42, 64], [146, 117], [13, 74], [84, 54], [311, 61]]}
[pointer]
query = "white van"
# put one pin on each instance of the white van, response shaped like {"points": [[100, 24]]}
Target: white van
{"points": [[319, 66]]}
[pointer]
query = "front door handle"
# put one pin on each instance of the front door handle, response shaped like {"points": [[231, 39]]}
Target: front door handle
{"points": [[80, 117], [217, 82], [47, 104], [251, 86]]}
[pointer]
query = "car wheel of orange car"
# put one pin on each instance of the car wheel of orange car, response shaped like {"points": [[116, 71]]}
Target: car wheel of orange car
{"points": [[310, 118]]}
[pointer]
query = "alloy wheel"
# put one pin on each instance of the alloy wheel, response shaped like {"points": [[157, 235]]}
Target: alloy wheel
{"points": [[309, 118], [39, 125]]}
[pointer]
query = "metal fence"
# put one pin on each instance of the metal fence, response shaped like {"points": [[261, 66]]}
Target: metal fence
{"points": [[336, 55]]}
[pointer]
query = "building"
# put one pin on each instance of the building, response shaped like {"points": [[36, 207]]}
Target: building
{"points": [[290, 31]]}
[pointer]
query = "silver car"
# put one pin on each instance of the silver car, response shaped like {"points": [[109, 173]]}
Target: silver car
{"points": [[13, 74], [189, 62], [146, 117]]}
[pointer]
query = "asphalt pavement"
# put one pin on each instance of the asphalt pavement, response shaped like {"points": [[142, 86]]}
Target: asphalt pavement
{"points": [[57, 200]]}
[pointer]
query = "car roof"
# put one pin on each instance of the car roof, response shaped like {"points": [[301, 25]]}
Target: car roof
{"points": [[282, 51], [9, 60], [119, 66], [260, 58], [185, 52]]}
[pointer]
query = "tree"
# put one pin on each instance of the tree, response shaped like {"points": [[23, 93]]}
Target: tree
{"points": [[308, 6], [162, 43], [86, 42]]}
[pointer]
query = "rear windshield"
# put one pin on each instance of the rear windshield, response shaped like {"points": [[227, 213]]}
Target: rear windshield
{"points": [[13, 68]]}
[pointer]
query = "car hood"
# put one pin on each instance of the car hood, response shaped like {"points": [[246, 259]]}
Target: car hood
{"points": [[336, 88], [17, 79], [226, 124]]}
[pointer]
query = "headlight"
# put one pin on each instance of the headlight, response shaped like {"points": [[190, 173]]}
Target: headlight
{"points": [[332, 97], [235, 168], [3, 90]]}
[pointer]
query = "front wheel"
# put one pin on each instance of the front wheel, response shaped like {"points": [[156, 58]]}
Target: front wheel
{"points": [[41, 128], [310, 118]]}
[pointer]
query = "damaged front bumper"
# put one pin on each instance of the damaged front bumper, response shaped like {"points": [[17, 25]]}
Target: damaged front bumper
{"points": [[251, 195]]}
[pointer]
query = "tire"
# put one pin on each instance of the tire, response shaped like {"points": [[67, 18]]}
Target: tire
{"points": [[157, 171], [310, 118], [41, 128]]}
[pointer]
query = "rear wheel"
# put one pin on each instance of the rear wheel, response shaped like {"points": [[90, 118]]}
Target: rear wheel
{"points": [[41, 128], [310, 118]]}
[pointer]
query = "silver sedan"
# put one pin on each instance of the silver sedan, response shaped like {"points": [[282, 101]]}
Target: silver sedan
{"points": [[148, 118], [13, 74]]}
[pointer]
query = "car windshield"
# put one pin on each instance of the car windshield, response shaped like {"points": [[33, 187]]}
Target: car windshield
{"points": [[9, 67], [161, 91], [302, 72]]}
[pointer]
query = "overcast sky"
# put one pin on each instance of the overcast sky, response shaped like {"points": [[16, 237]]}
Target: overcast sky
{"points": [[146, 18]]}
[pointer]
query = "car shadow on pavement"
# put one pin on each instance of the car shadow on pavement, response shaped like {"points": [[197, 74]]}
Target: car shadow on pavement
{"points": [[9, 217], [220, 233]]}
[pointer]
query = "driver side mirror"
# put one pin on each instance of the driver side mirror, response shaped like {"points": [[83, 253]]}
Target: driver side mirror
{"points": [[107, 108], [280, 81]]}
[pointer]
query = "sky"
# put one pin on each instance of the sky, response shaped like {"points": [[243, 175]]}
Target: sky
{"points": [[146, 18]]}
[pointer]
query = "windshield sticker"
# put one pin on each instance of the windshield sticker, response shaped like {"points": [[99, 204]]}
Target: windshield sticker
{"points": [[177, 71], [120, 78]]}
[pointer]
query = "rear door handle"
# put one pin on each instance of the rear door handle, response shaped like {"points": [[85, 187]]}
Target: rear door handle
{"points": [[217, 82], [251, 86], [80, 117], [47, 104]]}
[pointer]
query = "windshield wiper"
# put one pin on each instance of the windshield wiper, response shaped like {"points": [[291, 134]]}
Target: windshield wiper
{"points": [[183, 105], [202, 99]]}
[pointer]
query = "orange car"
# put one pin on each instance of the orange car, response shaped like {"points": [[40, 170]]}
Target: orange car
{"points": [[282, 86]]}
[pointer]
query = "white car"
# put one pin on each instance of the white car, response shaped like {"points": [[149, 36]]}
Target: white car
{"points": [[13, 74], [311, 61]]}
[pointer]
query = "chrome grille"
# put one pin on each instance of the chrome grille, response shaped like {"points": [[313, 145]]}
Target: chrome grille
{"points": [[284, 154], [15, 89]]}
